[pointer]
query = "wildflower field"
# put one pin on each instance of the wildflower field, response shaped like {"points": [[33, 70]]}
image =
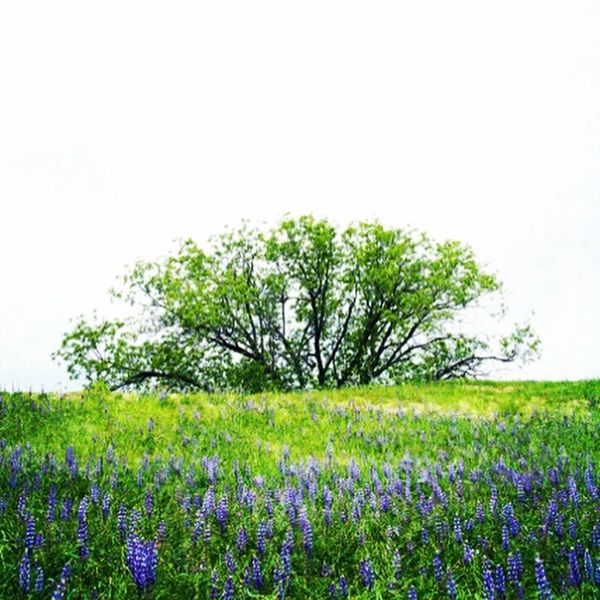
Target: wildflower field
{"points": [[439, 491]]}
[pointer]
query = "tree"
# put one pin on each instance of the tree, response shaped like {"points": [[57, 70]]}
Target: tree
{"points": [[302, 305]]}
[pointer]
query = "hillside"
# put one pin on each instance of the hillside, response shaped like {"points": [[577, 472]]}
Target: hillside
{"points": [[468, 490]]}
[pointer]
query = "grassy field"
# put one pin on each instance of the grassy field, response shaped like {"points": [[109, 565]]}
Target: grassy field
{"points": [[458, 490]]}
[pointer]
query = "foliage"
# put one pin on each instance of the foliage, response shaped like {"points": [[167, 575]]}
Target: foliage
{"points": [[388, 488], [303, 305]]}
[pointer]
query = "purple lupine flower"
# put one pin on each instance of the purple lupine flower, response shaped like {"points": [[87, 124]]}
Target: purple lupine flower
{"points": [[397, 565], [489, 588], [25, 573], [438, 568], [30, 533], [257, 578], [22, 504], [468, 554], [198, 526], [513, 526], [161, 531], [479, 513], [515, 567], [71, 461], [285, 553], [135, 518], [105, 506], [206, 535], [573, 493], [82, 529], [544, 591], [412, 593], [228, 589], [260, 538], [493, 499], [279, 580], [222, 512], [141, 559], [61, 586], [551, 512], [572, 529], [148, 502], [366, 574], [458, 530], [59, 591], [95, 493], [51, 512], [575, 579], [596, 536], [590, 484], [122, 520], [439, 529], [588, 565], [213, 591], [451, 586], [248, 578], [521, 491], [230, 563], [505, 539], [208, 501], [343, 587], [39, 580], [306, 528], [241, 539], [500, 582], [558, 526]]}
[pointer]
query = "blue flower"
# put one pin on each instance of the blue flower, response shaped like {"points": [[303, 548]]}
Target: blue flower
{"points": [[222, 512], [228, 589], [343, 586], [544, 591], [25, 572], [451, 586], [141, 559], [438, 568], [39, 580], [82, 529], [575, 578], [366, 573]]}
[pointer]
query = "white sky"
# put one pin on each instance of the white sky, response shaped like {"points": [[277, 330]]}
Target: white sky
{"points": [[125, 125]]}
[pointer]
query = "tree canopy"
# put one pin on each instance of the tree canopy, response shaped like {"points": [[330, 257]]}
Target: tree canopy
{"points": [[304, 304]]}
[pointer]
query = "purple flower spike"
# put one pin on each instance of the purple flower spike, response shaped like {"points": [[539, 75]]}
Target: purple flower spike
{"points": [[141, 560], [25, 573], [366, 574], [575, 579], [544, 591]]}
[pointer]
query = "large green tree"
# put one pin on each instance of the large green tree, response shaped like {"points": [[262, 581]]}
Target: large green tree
{"points": [[301, 305]]}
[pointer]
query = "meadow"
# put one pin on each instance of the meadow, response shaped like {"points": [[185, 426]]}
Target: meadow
{"points": [[456, 490]]}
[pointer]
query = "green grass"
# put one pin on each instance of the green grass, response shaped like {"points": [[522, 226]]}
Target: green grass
{"points": [[528, 428]]}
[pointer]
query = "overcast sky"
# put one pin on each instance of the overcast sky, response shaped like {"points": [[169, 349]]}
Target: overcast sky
{"points": [[126, 125]]}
